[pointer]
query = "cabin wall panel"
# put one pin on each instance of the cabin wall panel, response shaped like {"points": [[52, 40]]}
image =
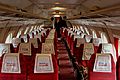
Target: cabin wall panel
{"points": [[15, 29], [4, 34], [97, 29], [109, 35], [23, 29], [90, 32], [107, 31], [116, 32]]}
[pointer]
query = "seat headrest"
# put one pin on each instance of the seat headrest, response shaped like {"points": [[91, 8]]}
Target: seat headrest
{"points": [[102, 63], [5, 48], [11, 63], [87, 51]]}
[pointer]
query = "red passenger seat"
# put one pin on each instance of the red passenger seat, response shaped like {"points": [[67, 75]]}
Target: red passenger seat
{"points": [[88, 50], [107, 48], [37, 44], [15, 76], [43, 76], [101, 67], [6, 48]]}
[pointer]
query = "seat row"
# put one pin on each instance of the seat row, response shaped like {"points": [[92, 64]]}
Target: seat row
{"points": [[28, 52], [97, 59]]}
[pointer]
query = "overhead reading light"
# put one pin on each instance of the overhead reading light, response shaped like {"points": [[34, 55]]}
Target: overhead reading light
{"points": [[58, 8]]}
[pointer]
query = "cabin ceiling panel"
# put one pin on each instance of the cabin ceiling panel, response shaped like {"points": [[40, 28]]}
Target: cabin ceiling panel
{"points": [[91, 4], [116, 13], [57, 1], [17, 3], [74, 7]]}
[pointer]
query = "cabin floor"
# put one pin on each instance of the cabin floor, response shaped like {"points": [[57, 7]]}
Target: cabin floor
{"points": [[66, 71]]}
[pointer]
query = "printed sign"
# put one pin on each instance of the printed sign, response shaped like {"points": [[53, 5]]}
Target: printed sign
{"points": [[34, 42], [4, 48], [25, 48], [102, 63], [43, 63], [48, 47], [11, 63], [88, 51]]}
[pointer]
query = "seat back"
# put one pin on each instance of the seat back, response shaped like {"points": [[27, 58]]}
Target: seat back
{"points": [[79, 41], [102, 67], [13, 67], [11, 63], [31, 35], [96, 41], [48, 48], [16, 41], [25, 38], [108, 48], [87, 51], [5, 48], [25, 49], [88, 38]]}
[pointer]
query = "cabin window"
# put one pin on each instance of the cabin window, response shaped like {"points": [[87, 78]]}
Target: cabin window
{"points": [[26, 30], [94, 34], [86, 30], [31, 29], [9, 38], [104, 38]]}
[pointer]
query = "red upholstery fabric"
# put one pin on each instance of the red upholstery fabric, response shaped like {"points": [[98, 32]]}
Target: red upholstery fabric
{"points": [[78, 51], [118, 68], [47, 32], [43, 76], [116, 46], [73, 42], [15, 76], [95, 49], [38, 50], [101, 75], [66, 32], [43, 38]]}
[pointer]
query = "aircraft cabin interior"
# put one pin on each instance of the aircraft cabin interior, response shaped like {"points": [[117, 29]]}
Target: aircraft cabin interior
{"points": [[59, 39]]}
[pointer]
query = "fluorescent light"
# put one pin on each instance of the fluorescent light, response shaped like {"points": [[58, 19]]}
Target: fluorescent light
{"points": [[56, 15], [58, 8]]}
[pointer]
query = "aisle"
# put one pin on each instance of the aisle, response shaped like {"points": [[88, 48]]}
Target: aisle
{"points": [[65, 66]]}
